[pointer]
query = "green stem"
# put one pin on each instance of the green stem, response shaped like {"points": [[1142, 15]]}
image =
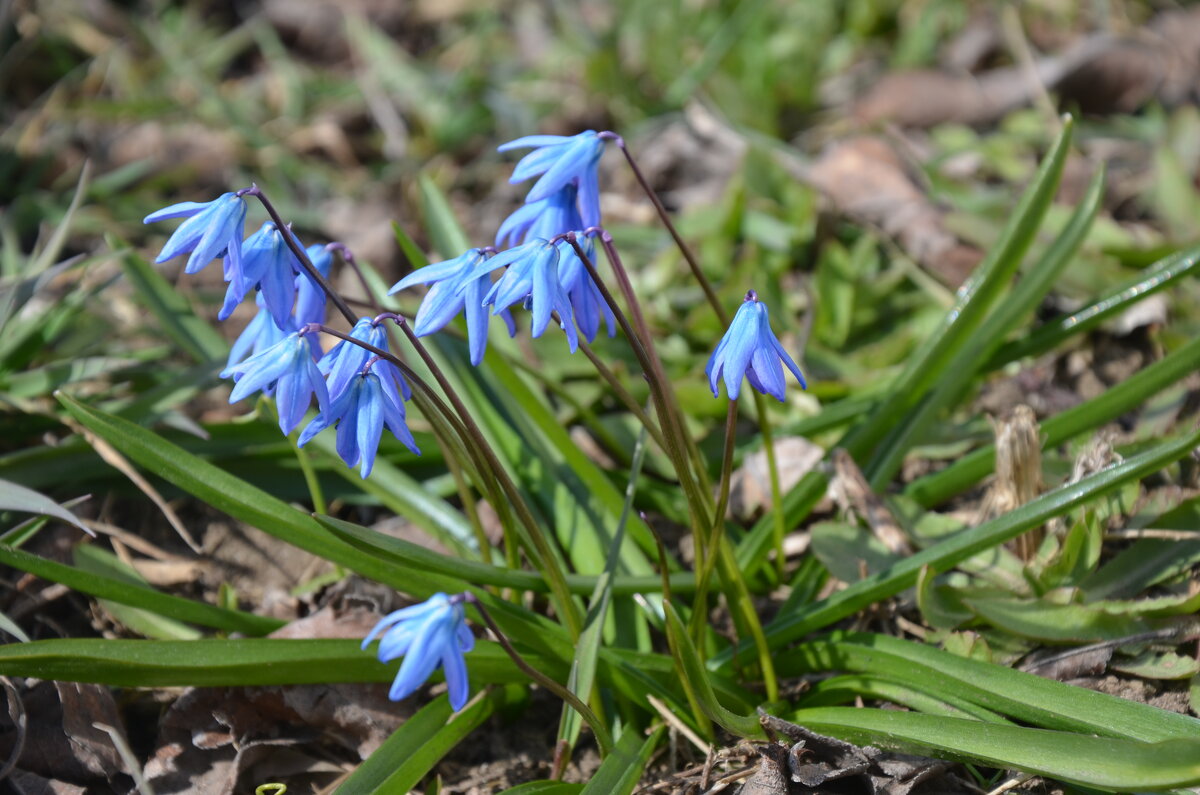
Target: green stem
{"points": [[780, 529], [705, 564]]}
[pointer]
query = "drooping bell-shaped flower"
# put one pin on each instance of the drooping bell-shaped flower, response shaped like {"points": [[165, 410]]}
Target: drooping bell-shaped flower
{"points": [[750, 349], [346, 360], [428, 635], [212, 229], [455, 285], [361, 412], [268, 264], [532, 275], [288, 367], [560, 161]]}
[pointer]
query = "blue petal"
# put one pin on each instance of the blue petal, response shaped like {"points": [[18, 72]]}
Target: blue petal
{"points": [[423, 657], [533, 140], [180, 210], [370, 422], [456, 677]]}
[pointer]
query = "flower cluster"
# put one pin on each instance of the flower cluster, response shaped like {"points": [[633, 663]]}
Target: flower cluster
{"points": [[545, 266], [278, 353]]}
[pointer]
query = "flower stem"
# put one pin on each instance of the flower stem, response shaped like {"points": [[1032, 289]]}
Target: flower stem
{"points": [[599, 730], [705, 564], [549, 563], [300, 253], [665, 217], [778, 526]]}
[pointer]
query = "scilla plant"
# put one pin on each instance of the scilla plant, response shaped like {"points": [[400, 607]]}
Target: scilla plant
{"points": [[580, 596]]}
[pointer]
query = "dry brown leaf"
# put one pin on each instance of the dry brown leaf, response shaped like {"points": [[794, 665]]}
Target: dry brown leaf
{"points": [[866, 179]]}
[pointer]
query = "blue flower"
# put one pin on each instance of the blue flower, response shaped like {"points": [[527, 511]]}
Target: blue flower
{"points": [[266, 263], [211, 229], [427, 635], [260, 333], [346, 360], [452, 289], [360, 412], [587, 302], [554, 215], [561, 161], [532, 274], [290, 366], [749, 348], [310, 298]]}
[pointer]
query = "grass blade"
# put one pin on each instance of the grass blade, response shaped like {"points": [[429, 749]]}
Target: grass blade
{"points": [[620, 772], [787, 628], [1127, 765]]}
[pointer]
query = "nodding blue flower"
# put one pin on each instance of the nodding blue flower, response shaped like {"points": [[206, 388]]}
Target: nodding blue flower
{"points": [[554, 215], [267, 263], [346, 360], [450, 291], [532, 274], [749, 348], [587, 302], [360, 412], [561, 161], [260, 333], [290, 368], [212, 229], [311, 301], [427, 635]]}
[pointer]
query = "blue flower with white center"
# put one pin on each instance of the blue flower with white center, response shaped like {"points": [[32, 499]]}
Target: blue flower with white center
{"points": [[268, 264], [290, 368], [450, 292], [260, 333], [361, 412], [346, 360], [532, 274], [427, 635], [749, 348], [310, 298], [560, 161], [212, 229]]}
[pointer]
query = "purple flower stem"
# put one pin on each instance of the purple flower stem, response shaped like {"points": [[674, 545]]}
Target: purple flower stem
{"points": [[300, 253], [348, 257], [693, 479], [599, 730], [705, 285], [537, 546]]}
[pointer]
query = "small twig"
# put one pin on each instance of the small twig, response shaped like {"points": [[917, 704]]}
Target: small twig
{"points": [[673, 720]]}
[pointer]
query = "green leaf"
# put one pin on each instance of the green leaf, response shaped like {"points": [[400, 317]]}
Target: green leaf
{"points": [[411, 752], [695, 680], [1075, 758], [1158, 665], [174, 314], [104, 586], [1055, 623], [621, 771], [1021, 696], [221, 662], [970, 469], [150, 624], [239, 499], [545, 788], [14, 497], [447, 235], [959, 547], [959, 369], [1159, 276]]}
